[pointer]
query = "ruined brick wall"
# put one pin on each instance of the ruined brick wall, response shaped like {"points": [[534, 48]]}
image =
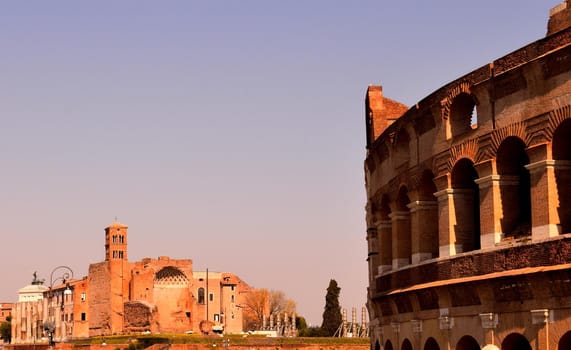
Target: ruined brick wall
{"points": [[560, 18], [99, 296], [141, 316]]}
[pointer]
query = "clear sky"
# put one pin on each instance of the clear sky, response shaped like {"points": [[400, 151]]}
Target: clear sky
{"points": [[228, 132]]}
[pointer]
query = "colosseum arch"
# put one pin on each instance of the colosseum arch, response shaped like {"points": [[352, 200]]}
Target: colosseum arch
{"points": [[466, 205], [515, 186], [402, 238], [463, 114], [431, 344], [561, 148], [565, 342], [406, 344], [388, 345], [467, 343], [515, 341]]}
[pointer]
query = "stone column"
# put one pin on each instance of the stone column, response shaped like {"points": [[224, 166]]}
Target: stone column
{"points": [[445, 223], [424, 230], [401, 238], [489, 323], [373, 254], [490, 210], [544, 200], [541, 318], [385, 238], [16, 323]]}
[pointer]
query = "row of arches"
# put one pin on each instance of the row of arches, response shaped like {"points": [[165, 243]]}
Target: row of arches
{"points": [[409, 229], [513, 341]]}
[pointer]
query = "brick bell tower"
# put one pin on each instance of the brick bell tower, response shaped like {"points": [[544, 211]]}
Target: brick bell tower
{"points": [[116, 242], [116, 258]]}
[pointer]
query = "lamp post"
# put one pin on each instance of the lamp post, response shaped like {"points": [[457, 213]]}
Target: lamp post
{"points": [[64, 274]]}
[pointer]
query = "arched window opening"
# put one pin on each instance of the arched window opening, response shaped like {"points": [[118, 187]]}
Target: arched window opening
{"points": [[466, 199], [431, 344], [467, 343], [565, 342], [201, 295], [562, 156], [515, 185], [515, 341], [463, 114], [402, 152], [406, 345], [388, 345], [377, 345]]}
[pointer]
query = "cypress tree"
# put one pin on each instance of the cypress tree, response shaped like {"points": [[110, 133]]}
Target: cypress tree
{"points": [[332, 318]]}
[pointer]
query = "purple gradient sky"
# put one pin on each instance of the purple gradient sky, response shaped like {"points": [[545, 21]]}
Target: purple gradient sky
{"points": [[228, 132]]}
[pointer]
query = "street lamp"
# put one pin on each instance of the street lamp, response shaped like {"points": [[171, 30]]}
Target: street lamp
{"points": [[64, 274]]}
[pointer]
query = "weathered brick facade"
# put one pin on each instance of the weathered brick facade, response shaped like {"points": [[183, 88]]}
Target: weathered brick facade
{"points": [[469, 206], [118, 296]]}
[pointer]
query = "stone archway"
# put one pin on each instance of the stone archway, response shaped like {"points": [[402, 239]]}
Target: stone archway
{"points": [[388, 345], [565, 342], [431, 344], [463, 114], [406, 344], [466, 194], [515, 187], [515, 341], [467, 343]]}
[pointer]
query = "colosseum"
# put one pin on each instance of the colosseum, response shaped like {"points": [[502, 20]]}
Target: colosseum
{"points": [[469, 206]]}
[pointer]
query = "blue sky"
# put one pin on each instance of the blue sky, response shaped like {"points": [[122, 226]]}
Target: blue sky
{"points": [[228, 132]]}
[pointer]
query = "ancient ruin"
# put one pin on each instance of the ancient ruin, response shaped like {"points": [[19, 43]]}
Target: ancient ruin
{"points": [[469, 206]]}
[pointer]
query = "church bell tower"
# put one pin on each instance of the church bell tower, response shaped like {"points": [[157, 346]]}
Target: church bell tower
{"points": [[116, 242]]}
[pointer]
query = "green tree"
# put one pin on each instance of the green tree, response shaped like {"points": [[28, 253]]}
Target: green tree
{"points": [[332, 318], [6, 330]]}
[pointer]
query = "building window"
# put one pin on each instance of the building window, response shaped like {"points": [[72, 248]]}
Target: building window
{"points": [[201, 295], [211, 297], [232, 287], [83, 316], [83, 296], [216, 318]]}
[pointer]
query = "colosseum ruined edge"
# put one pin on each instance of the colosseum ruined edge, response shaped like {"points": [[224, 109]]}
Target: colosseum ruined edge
{"points": [[469, 206]]}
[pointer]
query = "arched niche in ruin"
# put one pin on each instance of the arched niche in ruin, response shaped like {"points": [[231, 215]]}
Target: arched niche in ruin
{"points": [[466, 200], [515, 188]]}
